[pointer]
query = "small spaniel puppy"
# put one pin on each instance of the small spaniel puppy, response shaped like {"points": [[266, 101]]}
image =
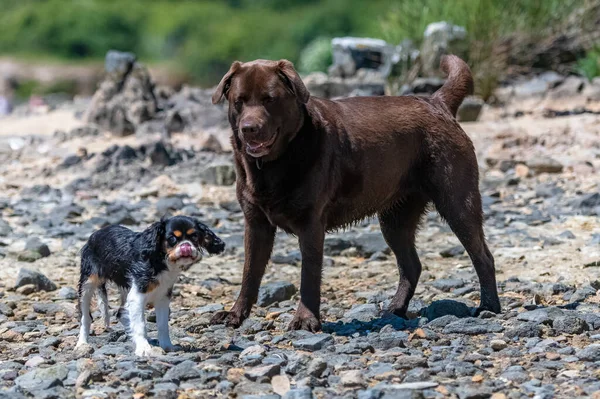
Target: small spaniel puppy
{"points": [[144, 266]]}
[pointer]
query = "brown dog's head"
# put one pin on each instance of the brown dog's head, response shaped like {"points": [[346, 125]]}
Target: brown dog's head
{"points": [[265, 105]]}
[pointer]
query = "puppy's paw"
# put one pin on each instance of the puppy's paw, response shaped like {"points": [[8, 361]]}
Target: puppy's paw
{"points": [[81, 343], [230, 319], [305, 321], [147, 350], [83, 349]]}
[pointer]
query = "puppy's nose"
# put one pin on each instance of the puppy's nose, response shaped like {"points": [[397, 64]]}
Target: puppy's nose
{"points": [[250, 128]]}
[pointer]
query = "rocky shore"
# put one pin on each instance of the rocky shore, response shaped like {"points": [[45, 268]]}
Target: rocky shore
{"points": [[539, 158]]}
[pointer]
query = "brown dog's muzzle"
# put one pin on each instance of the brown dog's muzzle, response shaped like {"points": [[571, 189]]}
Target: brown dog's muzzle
{"points": [[258, 144]]}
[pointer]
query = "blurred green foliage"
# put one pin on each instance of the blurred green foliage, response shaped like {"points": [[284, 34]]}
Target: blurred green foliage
{"points": [[316, 56], [487, 22], [589, 66], [203, 37]]}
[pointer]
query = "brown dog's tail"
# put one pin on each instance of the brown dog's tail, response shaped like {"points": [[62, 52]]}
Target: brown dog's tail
{"points": [[458, 85]]}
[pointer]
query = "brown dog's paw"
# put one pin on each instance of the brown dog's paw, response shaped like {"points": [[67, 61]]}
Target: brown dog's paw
{"points": [[306, 322], [492, 308], [230, 319]]}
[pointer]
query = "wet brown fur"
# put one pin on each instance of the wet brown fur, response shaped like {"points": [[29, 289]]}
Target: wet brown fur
{"points": [[333, 163]]}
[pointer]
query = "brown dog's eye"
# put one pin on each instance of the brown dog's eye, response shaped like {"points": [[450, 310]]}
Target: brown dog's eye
{"points": [[172, 241], [238, 103], [269, 100]]}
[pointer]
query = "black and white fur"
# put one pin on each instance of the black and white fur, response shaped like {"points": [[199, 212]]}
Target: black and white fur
{"points": [[144, 266]]}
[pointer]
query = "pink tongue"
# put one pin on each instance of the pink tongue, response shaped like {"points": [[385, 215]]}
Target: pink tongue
{"points": [[185, 250]]}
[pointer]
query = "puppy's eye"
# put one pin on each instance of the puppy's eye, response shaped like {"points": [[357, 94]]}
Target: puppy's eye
{"points": [[269, 100], [172, 241], [238, 103]]}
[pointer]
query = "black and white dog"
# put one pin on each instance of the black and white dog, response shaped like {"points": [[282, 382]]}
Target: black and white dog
{"points": [[144, 266]]}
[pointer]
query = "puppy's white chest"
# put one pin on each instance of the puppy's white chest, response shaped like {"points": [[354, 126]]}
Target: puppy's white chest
{"points": [[162, 286]]}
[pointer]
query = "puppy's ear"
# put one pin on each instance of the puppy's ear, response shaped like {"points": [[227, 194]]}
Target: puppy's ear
{"points": [[210, 241], [152, 240], [223, 87], [289, 75]]}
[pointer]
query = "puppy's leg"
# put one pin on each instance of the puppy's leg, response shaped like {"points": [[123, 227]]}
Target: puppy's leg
{"points": [[122, 315], [258, 244], [136, 304], [399, 226], [85, 289], [162, 323], [103, 305], [456, 196], [307, 315]]}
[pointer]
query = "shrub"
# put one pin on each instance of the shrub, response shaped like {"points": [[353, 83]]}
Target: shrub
{"points": [[486, 22], [316, 56], [589, 66]]}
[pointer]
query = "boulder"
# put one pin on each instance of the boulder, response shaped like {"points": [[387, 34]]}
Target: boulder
{"points": [[220, 174], [41, 282], [441, 38], [592, 90], [125, 98], [363, 83], [570, 87], [470, 109], [351, 54]]}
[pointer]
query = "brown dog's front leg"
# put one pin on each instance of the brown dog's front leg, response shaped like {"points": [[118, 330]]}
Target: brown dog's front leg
{"points": [[258, 244], [311, 246]]}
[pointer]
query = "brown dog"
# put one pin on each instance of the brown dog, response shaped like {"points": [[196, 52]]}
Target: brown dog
{"points": [[309, 165]]}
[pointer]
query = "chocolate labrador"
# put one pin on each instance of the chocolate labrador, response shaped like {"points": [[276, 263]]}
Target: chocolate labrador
{"points": [[309, 165]]}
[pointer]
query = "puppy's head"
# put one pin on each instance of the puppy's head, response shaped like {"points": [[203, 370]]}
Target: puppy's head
{"points": [[185, 239], [265, 105]]}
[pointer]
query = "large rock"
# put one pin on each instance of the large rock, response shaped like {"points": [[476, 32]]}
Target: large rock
{"points": [[544, 165], [366, 243], [185, 370], [592, 90], [5, 229], [570, 87], [34, 249], [351, 54], [441, 38], [125, 98], [41, 379], [41, 282], [364, 312], [590, 353], [364, 83], [119, 63], [275, 292], [446, 307], [570, 324], [220, 174], [473, 326], [191, 109], [470, 109], [314, 342]]}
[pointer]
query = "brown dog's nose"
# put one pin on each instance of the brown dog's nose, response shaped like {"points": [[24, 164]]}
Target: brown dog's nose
{"points": [[250, 128]]}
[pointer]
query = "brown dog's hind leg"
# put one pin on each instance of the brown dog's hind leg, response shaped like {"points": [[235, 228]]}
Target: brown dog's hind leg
{"points": [[455, 193], [399, 226], [258, 243]]}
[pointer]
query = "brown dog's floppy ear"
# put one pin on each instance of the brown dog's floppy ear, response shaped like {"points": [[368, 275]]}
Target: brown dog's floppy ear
{"points": [[223, 86], [291, 77]]}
